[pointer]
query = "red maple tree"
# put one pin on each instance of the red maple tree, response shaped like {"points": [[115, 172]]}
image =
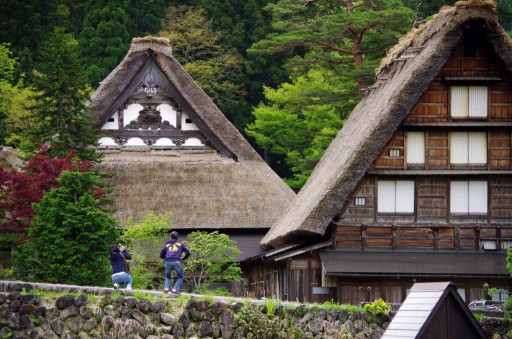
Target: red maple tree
{"points": [[19, 189]]}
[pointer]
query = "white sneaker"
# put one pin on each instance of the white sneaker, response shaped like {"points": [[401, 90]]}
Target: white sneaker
{"points": [[116, 286], [128, 287]]}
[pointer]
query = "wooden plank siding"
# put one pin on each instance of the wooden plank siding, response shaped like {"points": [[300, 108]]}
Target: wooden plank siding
{"points": [[499, 142], [427, 238]]}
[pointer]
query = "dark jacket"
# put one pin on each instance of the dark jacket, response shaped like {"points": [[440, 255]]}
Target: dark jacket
{"points": [[117, 261], [173, 250]]}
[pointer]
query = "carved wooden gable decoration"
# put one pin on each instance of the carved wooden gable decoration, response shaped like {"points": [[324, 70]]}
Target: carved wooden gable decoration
{"points": [[148, 114]]}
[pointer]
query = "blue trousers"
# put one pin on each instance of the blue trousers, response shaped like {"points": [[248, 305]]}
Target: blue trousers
{"points": [[124, 278], [178, 268]]}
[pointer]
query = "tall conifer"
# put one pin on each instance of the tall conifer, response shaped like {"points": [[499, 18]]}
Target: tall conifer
{"points": [[60, 113]]}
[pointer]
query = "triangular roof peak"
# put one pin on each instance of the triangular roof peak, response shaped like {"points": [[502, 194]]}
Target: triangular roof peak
{"points": [[434, 310], [404, 76], [173, 150], [151, 58]]}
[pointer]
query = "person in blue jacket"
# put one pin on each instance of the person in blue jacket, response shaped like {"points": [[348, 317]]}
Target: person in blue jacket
{"points": [[120, 275], [172, 255]]}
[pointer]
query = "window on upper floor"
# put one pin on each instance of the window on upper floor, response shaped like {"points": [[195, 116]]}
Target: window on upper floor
{"points": [[395, 196], [468, 197], [415, 148], [469, 101], [468, 148]]}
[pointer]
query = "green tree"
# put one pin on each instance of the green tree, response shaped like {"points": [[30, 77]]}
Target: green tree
{"points": [[321, 32], [212, 259], [70, 234], [505, 14], [331, 51], [202, 52], [14, 99], [104, 39], [301, 119], [144, 241], [60, 113], [144, 17]]}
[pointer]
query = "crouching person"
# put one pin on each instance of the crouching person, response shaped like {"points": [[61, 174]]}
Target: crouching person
{"points": [[120, 269]]}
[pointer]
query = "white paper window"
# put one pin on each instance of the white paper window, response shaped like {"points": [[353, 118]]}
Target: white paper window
{"points": [[395, 196], [415, 147], [360, 201], [469, 197], [468, 147], [469, 101], [394, 153]]}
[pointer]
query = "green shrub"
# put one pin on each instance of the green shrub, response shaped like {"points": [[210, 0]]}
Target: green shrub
{"points": [[257, 324], [271, 305], [379, 306], [6, 274]]}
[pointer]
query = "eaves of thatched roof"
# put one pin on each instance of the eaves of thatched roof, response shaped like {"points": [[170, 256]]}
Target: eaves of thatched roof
{"points": [[227, 186], [202, 191], [402, 78]]}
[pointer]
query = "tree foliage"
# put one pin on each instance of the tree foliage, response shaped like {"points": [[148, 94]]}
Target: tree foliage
{"points": [[14, 98], [332, 49], [505, 14], [104, 39], [20, 189], [144, 241], [213, 259], [70, 235], [215, 66], [61, 91], [301, 119]]}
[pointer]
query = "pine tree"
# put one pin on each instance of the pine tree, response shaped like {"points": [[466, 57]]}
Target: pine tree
{"points": [[104, 39], [70, 235], [331, 51], [60, 113]]}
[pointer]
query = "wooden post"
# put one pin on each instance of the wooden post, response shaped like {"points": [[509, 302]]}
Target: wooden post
{"points": [[477, 238], [435, 238], [363, 236], [394, 228]]}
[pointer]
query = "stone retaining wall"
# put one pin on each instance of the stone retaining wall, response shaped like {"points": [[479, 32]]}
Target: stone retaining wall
{"points": [[27, 315], [101, 313]]}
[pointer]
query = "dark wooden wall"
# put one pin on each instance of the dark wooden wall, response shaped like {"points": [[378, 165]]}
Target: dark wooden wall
{"points": [[432, 203], [356, 291], [438, 154]]}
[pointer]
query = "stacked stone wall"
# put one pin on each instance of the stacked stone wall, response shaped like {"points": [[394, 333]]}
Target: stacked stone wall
{"points": [[103, 314]]}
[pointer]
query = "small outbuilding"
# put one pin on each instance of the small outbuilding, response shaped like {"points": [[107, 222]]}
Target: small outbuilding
{"points": [[434, 310]]}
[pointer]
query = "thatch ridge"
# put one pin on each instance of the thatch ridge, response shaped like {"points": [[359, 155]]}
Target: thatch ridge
{"points": [[152, 39], [375, 119]]}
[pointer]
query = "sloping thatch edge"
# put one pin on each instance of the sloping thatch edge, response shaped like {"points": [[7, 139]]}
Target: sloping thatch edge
{"points": [[375, 119]]}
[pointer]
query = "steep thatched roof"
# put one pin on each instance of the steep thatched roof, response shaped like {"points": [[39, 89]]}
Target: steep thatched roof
{"points": [[202, 187], [402, 79]]}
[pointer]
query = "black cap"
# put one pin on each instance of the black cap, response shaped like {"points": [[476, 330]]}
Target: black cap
{"points": [[174, 235]]}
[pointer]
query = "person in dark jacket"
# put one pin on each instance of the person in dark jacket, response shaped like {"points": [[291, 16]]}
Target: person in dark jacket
{"points": [[118, 257], [172, 255]]}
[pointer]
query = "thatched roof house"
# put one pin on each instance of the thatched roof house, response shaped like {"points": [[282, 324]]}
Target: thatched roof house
{"points": [[403, 77], [174, 151]]}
